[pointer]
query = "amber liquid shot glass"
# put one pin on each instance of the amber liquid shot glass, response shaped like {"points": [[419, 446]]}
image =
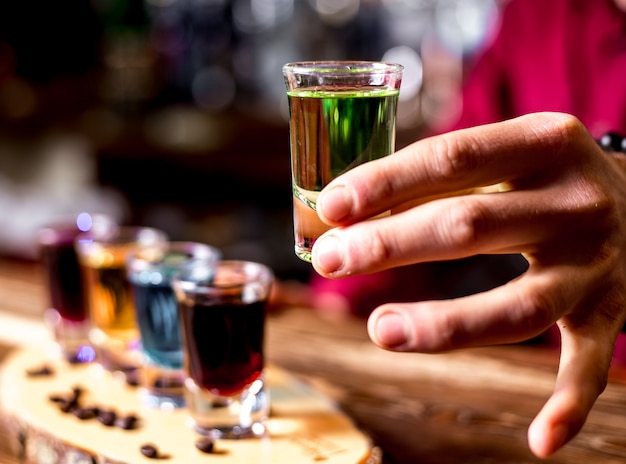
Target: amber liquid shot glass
{"points": [[341, 114], [223, 310], [161, 377], [114, 332]]}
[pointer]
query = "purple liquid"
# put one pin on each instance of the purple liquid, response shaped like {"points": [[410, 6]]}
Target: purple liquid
{"points": [[60, 264], [224, 344]]}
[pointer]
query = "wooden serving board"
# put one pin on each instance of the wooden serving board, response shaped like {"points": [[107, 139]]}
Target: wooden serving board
{"points": [[304, 427]]}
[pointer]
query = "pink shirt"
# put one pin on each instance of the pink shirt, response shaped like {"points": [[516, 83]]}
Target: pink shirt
{"points": [[556, 55]]}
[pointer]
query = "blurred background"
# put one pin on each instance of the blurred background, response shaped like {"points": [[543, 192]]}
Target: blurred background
{"points": [[173, 113]]}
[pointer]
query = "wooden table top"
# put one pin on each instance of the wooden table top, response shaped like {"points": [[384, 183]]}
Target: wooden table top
{"points": [[470, 406]]}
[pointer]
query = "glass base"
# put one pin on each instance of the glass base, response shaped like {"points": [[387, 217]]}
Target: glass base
{"points": [[70, 337], [113, 360], [160, 401], [162, 388], [236, 432], [231, 417], [303, 253], [116, 355]]}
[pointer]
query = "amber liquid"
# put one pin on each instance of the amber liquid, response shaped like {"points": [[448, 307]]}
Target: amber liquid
{"points": [[109, 294]]}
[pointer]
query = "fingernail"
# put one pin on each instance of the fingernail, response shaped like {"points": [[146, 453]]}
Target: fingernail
{"points": [[327, 254], [335, 203], [391, 330]]}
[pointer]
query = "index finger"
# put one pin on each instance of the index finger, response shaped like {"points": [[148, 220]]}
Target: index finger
{"points": [[464, 159]]}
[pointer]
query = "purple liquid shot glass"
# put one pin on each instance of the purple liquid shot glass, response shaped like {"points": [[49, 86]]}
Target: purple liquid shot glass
{"points": [[66, 315]]}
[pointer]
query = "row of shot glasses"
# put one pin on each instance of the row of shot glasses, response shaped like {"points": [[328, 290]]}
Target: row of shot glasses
{"points": [[188, 323]]}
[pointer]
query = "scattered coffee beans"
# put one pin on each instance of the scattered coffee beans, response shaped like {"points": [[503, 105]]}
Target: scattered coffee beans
{"points": [[67, 403], [108, 417]]}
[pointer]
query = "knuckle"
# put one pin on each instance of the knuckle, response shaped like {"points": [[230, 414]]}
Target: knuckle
{"points": [[542, 299], [537, 309], [446, 331], [456, 334], [572, 128], [465, 223], [599, 222], [564, 131], [606, 217], [450, 159], [371, 249]]}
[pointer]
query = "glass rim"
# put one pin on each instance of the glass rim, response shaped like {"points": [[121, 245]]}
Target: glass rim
{"points": [[120, 234], [156, 257], [189, 280], [68, 225], [342, 67]]}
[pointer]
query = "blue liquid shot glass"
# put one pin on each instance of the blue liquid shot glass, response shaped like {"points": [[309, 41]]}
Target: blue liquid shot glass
{"points": [[162, 376]]}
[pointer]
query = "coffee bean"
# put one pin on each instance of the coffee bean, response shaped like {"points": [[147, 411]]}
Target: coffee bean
{"points": [[206, 445], [77, 391], [150, 451], [86, 413], [55, 398], [67, 405], [42, 371], [107, 418], [127, 422]]}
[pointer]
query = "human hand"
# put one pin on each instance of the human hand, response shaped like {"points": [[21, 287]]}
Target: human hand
{"points": [[561, 202]]}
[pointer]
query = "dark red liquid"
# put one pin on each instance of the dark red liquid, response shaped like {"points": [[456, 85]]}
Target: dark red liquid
{"points": [[224, 344], [61, 267]]}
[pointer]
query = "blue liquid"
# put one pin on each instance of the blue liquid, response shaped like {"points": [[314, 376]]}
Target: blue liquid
{"points": [[159, 326]]}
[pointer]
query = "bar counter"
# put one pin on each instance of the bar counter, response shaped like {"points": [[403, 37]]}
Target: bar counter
{"points": [[470, 406]]}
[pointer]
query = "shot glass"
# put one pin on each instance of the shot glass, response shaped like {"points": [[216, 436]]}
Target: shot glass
{"points": [[67, 315], [341, 114], [161, 375], [222, 310], [114, 332]]}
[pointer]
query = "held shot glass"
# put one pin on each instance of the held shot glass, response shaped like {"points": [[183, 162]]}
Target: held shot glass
{"points": [[341, 114], [161, 375], [222, 310]]}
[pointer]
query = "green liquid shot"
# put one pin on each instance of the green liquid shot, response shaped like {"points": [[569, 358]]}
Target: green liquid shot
{"points": [[333, 130]]}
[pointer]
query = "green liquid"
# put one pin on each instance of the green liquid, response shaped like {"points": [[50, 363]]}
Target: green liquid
{"points": [[334, 130]]}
